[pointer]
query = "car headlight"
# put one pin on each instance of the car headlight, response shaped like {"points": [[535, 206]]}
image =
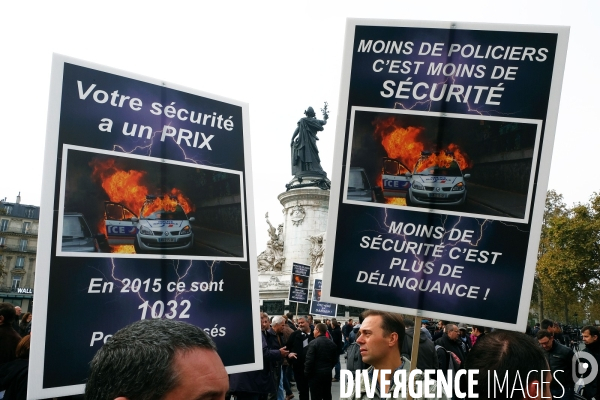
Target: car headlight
{"points": [[146, 231], [186, 230], [460, 186], [418, 186]]}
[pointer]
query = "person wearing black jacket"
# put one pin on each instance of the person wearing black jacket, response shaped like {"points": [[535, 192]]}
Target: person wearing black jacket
{"points": [[321, 356], [428, 358], [336, 336], [560, 361], [450, 342], [297, 344], [590, 335]]}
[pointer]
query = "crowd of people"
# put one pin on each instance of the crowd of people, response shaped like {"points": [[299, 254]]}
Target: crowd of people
{"points": [[15, 338], [305, 353]]}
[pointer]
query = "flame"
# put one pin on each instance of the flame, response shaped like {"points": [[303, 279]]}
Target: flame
{"points": [[121, 186], [403, 144], [125, 187], [399, 201], [399, 143], [122, 249]]}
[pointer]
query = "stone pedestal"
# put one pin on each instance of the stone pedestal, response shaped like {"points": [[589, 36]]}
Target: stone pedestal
{"points": [[305, 214]]}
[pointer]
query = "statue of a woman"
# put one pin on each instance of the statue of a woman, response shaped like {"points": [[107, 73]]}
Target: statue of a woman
{"points": [[305, 155]]}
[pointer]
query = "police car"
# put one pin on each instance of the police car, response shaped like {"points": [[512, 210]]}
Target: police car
{"points": [[156, 228], [437, 184]]}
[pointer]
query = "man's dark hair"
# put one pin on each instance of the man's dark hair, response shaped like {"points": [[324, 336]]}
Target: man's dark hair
{"points": [[322, 328], [592, 329], [542, 333], [481, 329], [289, 316], [390, 322], [137, 362], [408, 322], [505, 353], [7, 310], [547, 323]]}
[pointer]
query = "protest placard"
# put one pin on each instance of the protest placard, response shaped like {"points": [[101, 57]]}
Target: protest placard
{"points": [[450, 126], [146, 213]]}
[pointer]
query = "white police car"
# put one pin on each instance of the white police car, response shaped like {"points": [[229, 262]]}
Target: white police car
{"points": [[438, 183], [162, 225]]}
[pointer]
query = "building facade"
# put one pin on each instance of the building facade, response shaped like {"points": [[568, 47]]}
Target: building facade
{"points": [[18, 245]]}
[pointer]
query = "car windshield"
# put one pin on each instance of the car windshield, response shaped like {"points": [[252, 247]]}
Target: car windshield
{"points": [[75, 227], [357, 180], [174, 213], [447, 170]]}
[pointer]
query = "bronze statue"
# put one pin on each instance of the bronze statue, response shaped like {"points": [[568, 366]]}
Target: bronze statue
{"points": [[305, 155]]}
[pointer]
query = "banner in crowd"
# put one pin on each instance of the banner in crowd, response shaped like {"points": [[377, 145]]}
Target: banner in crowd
{"points": [[146, 213], [318, 307], [443, 148], [300, 280]]}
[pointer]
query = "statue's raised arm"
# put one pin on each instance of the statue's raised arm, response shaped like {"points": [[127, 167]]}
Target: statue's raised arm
{"points": [[305, 155]]}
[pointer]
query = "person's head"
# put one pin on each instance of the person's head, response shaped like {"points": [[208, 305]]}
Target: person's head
{"points": [[441, 324], [589, 334], [7, 313], [408, 322], [333, 323], [278, 323], [320, 329], [26, 317], [157, 359], [381, 338], [547, 324], [350, 321], [545, 339], [505, 354], [452, 331], [289, 316], [264, 321], [18, 310], [477, 330], [303, 325], [309, 319], [23, 347]]}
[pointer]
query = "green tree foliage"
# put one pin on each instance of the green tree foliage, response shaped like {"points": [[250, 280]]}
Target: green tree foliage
{"points": [[568, 268]]}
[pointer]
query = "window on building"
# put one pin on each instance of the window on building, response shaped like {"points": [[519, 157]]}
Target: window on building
{"points": [[2, 241], [26, 227], [23, 244], [29, 213], [20, 263], [3, 225], [16, 283], [8, 209]]}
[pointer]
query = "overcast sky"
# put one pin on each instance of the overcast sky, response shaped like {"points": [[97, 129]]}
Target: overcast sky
{"points": [[280, 57]]}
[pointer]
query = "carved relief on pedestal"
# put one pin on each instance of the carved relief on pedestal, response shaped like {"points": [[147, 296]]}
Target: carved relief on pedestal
{"points": [[297, 215], [272, 258], [317, 252]]}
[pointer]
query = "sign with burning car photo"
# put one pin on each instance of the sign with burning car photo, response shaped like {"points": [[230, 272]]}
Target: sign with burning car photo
{"points": [[443, 148], [151, 191]]}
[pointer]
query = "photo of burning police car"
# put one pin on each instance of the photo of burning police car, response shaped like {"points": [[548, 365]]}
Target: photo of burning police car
{"points": [[144, 208], [443, 163], [162, 225]]}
